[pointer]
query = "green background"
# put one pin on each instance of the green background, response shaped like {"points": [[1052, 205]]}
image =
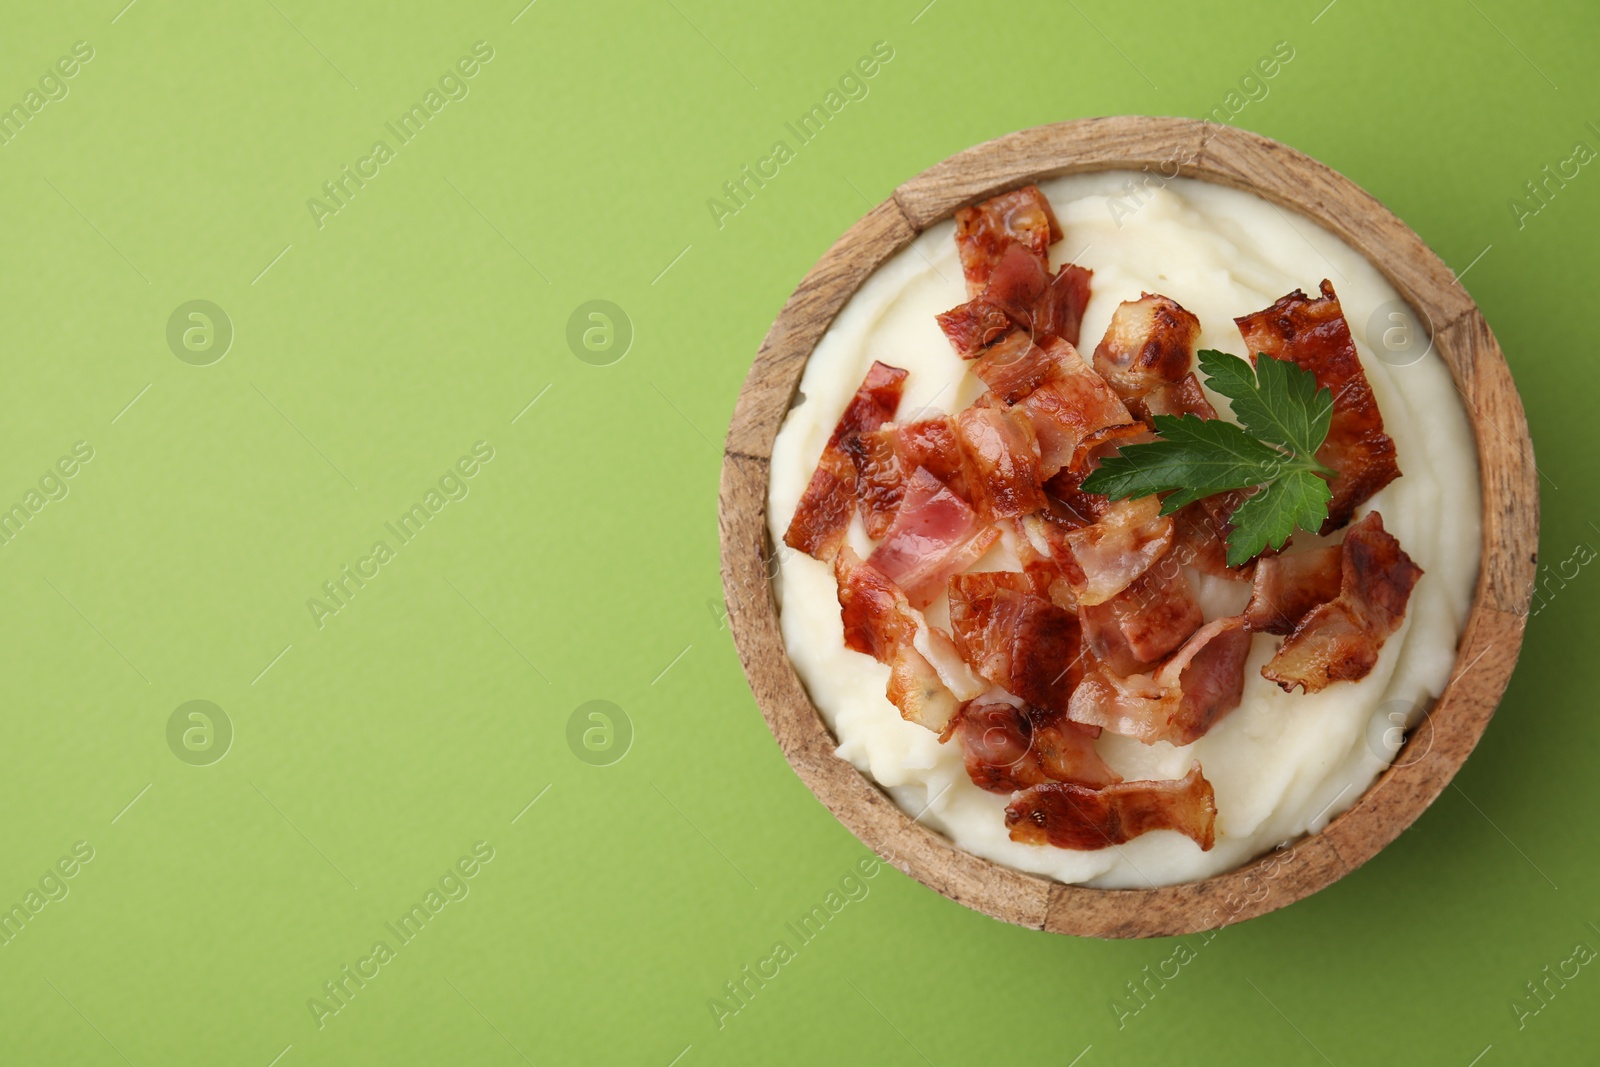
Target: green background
{"points": [[371, 353]]}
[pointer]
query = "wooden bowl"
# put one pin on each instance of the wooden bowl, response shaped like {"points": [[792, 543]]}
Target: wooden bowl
{"points": [[1489, 644]]}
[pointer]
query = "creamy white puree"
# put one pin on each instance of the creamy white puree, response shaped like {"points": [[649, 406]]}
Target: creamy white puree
{"points": [[1282, 764]]}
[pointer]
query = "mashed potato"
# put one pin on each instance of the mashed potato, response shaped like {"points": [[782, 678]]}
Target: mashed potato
{"points": [[1282, 764]]}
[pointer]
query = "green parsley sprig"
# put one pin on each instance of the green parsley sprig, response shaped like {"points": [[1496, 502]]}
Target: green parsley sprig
{"points": [[1283, 420]]}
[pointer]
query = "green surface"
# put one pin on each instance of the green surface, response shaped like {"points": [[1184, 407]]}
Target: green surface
{"points": [[371, 753]]}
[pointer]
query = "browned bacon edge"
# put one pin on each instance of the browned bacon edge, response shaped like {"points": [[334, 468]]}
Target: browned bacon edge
{"points": [[1287, 587], [984, 231], [1073, 816], [1314, 335], [880, 622], [826, 507], [1007, 748], [1177, 701], [1148, 344], [1339, 641], [1016, 639]]}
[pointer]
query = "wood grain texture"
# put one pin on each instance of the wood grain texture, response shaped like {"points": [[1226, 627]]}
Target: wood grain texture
{"points": [[1489, 645]]}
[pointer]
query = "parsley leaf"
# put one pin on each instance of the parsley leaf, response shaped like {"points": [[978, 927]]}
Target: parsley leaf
{"points": [[1284, 419], [1279, 403], [1269, 516]]}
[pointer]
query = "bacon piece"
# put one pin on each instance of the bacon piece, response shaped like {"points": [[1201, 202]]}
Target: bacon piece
{"points": [[1019, 641], [1152, 617], [1077, 817], [983, 231], [1339, 641], [1059, 312], [1042, 550], [879, 479], [1008, 748], [972, 327], [1021, 297], [999, 462], [1150, 343], [1015, 366], [1067, 405], [1178, 701], [927, 680], [1118, 548], [1103, 443], [935, 534], [1200, 534], [1313, 335], [932, 443], [1182, 397], [823, 514], [1016, 283], [1287, 587]]}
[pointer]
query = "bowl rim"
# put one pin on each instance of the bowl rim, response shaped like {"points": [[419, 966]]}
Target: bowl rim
{"points": [[1486, 652]]}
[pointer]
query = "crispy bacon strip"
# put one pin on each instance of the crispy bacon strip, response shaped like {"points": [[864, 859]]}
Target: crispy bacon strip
{"points": [[1059, 312], [1155, 615], [879, 478], [1021, 296], [1314, 335], [1008, 748], [974, 326], [1109, 554], [1178, 701], [1077, 817], [1016, 366], [927, 680], [1339, 641], [999, 462], [935, 534], [1021, 642], [1200, 534], [825, 509], [1182, 397], [1150, 343], [932, 443], [1070, 407], [983, 232], [1287, 587]]}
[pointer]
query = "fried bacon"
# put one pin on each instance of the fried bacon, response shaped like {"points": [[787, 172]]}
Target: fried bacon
{"points": [[825, 509], [879, 479], [1182, 397], [1073, 816], [1008, 748], [1113, 551], [931, 443], [1021, 295], [1200, 534], [974, 326], [1339, 641], [1041, 548], [1017, 282], [1150, 343], [1156, 614], [935, 534], [999, 462], [1070, 407], [1180, 699], [1313, 334], [1287, 587], [1059, 312], [927, 680], [984, 231], [1016, 639], [1016, 366]]}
